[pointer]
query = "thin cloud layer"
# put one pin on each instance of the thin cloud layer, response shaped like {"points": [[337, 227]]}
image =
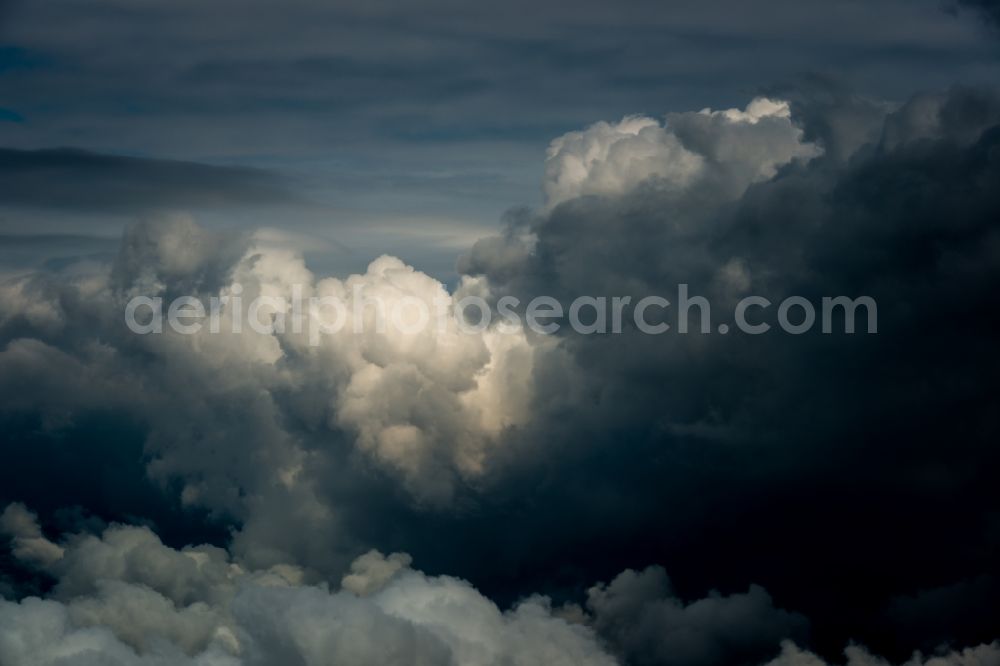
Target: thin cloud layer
{"points": [[80, 180]]}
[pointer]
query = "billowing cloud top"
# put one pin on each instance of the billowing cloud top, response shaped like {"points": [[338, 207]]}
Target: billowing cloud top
{"points": [[611, 159]]}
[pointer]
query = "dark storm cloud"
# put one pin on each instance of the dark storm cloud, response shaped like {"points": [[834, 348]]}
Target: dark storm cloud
{"points": [[640, 616], [64, 178], [814, 458], [970, 602], [989, 9]]}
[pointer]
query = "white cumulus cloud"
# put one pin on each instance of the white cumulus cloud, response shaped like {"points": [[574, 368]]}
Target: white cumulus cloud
{"points": [[746, 145]]}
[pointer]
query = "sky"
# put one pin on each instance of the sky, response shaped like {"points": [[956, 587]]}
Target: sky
{"points": [[409, 127], [482, 496]]}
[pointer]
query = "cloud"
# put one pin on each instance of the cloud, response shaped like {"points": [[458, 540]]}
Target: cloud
{"points": [[126, 598], [319, 83], [988, 9], [71, 179], [736, 443], [55, 252], [528, 464], [981, 655], [371, 571], [640, 615], [29, 543], [123, 597], [612, 159], [424, 412]]}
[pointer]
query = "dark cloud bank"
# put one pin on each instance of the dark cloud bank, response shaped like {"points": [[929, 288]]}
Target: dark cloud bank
{"points": [[80, 180], [989, 9], [845, 473]]}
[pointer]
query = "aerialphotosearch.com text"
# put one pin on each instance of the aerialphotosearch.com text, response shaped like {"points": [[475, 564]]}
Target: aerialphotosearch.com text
{"points": [[358, 312]]}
